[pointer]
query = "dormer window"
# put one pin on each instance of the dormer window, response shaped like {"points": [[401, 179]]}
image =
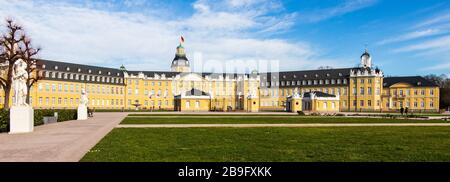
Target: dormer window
{"points": [[99, 72], [295, 76], [340, 74], [109, 73], [89, 71], [305, 76], [43, 66], [317, 75], [67, 69], [79, 70], [56, 67], [118, 74], [419, 83], [328, 74], [284, 76]]}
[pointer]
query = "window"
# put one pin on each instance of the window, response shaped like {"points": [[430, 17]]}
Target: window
{"points": [[369, 103], [369, 90], [432, 103], [325, 105], [187, 104], [422, 92], [361, 103], [361, 90], [197, 104], [431, 92]]}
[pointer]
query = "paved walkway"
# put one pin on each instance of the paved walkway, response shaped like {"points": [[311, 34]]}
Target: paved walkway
{"points": [[274, 125], [67, 141]]}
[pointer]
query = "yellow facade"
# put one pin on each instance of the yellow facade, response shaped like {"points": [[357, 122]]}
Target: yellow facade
{"points": [[193, 104], [358, 89], [416, 99]]}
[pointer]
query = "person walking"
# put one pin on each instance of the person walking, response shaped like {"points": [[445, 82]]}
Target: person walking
{"points": [[401, 110]]}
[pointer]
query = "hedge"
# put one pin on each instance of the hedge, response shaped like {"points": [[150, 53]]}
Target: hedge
{"points": [[39, 114]]}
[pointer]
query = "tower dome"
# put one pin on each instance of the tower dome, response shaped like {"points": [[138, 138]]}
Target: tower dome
{"points": [[180, 63], [366, 60]]}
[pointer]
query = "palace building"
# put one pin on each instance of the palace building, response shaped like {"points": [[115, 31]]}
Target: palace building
{"points": [[356, 89]]}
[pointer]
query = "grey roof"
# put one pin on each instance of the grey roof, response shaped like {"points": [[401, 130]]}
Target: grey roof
{"points": [[323, 74], [318, 94], [48, 65], [79, 69], [152, 73], [416, 81], [231, 75], [196, 92]]}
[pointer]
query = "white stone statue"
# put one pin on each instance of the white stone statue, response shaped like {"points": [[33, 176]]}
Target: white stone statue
{"points": [[296, 93], [82, 107], [83, 98], [21, 114], [20, 77], [252, 93]]}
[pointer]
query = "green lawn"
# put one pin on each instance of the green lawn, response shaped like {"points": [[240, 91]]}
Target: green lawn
{"points": [[262, 119], [274, 144], [193, 114]]}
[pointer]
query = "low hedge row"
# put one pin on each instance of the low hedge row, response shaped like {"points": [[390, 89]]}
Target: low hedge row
{"points": [[39, 114]]}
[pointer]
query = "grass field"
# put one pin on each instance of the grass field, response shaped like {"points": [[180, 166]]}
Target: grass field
{"points": [[274, 144], [262, 119]]}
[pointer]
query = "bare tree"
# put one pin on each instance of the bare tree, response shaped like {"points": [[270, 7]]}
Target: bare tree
{"points": [[28, 55], [10, 52]]}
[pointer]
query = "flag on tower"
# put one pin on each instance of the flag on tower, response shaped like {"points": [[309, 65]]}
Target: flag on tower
{"points": [[182, 39]]}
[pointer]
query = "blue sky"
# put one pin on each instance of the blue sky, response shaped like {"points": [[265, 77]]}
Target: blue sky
{"points": [[404, 37]]}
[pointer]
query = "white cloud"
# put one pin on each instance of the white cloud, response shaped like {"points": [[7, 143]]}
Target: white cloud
{"points": [[344, 8], [87, 35], [438, 43], [412, 35], [442, 66], [437, 19]]}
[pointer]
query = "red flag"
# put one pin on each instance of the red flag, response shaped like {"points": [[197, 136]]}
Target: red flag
{"points": [[182, 39]]}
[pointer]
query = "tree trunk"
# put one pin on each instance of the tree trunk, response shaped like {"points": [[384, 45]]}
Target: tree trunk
{"points": [[28, 95], [7, 94]]}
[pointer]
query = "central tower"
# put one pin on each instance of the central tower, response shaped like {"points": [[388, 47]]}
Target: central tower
{"points": [[180, 63]]}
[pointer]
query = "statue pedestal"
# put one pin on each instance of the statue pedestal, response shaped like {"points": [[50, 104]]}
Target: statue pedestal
{"points": [[82, 112], [21, 119]]}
